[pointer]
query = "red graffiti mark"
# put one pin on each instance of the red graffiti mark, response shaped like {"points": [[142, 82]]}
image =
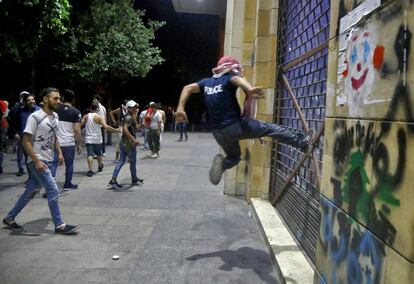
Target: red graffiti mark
{"points": [[357, 83], [355, 38], [345, 72], [378, 56], [366, 34]]}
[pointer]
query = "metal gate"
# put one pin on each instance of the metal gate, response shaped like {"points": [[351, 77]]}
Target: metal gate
{"points": [[300, 104]]}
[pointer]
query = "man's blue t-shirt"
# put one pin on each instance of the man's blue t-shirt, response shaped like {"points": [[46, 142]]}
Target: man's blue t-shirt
{"points": [[220, 98]]}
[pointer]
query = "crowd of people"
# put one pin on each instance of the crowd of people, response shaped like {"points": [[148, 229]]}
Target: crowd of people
{"points": [[50, 134], [53, 131]]}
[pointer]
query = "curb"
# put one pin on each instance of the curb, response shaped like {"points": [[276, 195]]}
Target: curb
{"points": [[287, 255]]}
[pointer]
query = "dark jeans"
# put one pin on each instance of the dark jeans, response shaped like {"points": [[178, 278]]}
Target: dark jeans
{"points": [[21, 156], [69, 156], [103, 140], [182, 127], [153, 140], [247, 128], [132, 155]]}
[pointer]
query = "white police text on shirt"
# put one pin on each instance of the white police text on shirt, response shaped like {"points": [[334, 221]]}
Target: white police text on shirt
{"points": [[213, 90]]}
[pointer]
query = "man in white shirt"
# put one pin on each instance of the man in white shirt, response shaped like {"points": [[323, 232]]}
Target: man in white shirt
{"points": [[40, 143], [144, 129], [69, 136], [102, 112], [93, 123], [153, 122]]}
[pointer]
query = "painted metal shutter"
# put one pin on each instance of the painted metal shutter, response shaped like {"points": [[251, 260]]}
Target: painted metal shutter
{"points": [[303, 34]]}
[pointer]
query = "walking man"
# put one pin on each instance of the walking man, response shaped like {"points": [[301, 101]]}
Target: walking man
{"points": [[227, 124], [144, 129], [40, 143], [163, 120], [153, 123], [93, 123], [18, 118], [102, 112], [182, 127], [69, 135], [117, 116], [128, 147]]}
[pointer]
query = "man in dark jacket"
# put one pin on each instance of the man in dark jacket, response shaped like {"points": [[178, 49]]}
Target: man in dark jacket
{"points": [[18, 118]]}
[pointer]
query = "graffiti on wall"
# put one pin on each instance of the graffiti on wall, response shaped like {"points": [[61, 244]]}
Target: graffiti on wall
{"points": [[355, 255], [359, 66], [369, 61], [370, 158]]}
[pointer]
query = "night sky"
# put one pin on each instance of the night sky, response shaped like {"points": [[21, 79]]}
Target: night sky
{"points": [[190, 47]]}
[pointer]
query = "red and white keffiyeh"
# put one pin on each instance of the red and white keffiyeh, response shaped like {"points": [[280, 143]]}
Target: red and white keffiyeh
{"points": [[227, 64]]}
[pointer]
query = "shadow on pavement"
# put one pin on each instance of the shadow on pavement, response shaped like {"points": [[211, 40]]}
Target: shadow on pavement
{"points": [[243, 258], [34, 228]]}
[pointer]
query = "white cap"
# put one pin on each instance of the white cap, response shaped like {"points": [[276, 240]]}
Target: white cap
{"points": [[132, 103], [152, 103]]}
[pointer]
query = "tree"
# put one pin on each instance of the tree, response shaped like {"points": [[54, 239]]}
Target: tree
{"points": [[24, 26], [25, 23], [110, 43]]}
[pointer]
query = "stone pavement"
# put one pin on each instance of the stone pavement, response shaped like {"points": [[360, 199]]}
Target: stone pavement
{"points": [[176, 228]]}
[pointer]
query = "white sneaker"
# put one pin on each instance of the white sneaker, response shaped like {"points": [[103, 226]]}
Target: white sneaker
{"points": [[154, 156]]}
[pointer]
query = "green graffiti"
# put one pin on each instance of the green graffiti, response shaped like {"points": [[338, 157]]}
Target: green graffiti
{"points": [[355, 187], [356, 192]]}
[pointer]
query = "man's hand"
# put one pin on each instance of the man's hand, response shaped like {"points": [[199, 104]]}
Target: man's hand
{"points": [[17, 137], [61, 159], [180, 115], [256, 92], [136, 142], [79, 149], [40, 166]]}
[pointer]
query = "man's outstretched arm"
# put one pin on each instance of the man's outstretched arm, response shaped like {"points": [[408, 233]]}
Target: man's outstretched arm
{"points": [[187, 91], [249, 90]]}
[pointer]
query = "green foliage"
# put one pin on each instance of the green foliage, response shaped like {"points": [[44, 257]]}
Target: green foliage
{"points": [[111, 42], [24, 25]]}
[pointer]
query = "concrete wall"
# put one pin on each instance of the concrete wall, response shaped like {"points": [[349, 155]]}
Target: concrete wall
{"points": [[251, 37], [367, 212]]}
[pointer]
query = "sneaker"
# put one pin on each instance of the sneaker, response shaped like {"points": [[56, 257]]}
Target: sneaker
{"points": [[216, 169], [100, 168], [66, 230], [103, 154], [114, 185], [137, 181], [89, 173], [306, 140], [44, 195], [20, 173], [95, 156], [70, 187], [154, 156], [12, 225]]}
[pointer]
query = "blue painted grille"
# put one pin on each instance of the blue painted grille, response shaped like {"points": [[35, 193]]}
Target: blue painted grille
{"points": [[303, 29]]}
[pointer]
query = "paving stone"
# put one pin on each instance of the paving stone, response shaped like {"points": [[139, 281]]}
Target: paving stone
{"points": [[176, 228]]}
